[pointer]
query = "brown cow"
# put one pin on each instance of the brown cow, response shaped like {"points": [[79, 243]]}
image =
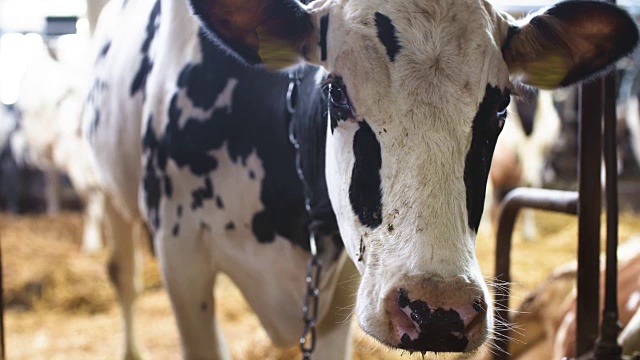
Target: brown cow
{"points": [[545, 326], [628, 301]]}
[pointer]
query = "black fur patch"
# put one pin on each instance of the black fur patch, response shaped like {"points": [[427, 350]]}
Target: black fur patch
{"points": [[105, 49], [219, 202], [388, 35], [151, 182], [140, 79], [485, 131], [324, 27], [94, 93], [263, 129], [365, 190], [201, 194], [334, 123], [262, 227], [95, 122], [168, 186], [188, 146], [310, 132]]}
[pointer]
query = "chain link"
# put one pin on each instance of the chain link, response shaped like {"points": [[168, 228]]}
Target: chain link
{"points": [[314, 265], [310, 305]]}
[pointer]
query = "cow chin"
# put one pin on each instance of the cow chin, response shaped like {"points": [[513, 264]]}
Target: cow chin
{"points": [[426, 313]]}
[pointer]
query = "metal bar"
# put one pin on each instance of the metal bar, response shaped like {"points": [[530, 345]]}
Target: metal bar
{"points": [[550, 200], [589, 209], [1, 310], [607, 346]]}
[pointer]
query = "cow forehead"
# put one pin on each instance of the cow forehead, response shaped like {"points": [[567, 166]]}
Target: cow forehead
{"points": [[420, 12], [443, 51]]}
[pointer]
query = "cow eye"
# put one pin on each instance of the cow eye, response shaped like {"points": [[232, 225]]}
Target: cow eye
{"points": [[338, 96], [502, 106], [339, 103]]}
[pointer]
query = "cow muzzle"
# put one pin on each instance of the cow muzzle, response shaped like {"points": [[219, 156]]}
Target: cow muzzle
{"points": [[437, 316]]}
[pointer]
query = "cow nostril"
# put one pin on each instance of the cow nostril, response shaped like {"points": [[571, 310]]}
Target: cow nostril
{"points": [[404, 320], [475, 321], [474, 325], [403, 298], [479, 305]]}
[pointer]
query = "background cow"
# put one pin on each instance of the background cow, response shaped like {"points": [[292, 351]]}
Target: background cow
{"points": [[8, 166], [522, 152], [545, 323], [48, 137], [539, 143]]}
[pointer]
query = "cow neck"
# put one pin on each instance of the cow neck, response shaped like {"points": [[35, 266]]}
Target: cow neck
{"points": [[307, 104]]}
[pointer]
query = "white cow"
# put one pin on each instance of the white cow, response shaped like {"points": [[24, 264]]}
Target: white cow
{"points": [[395, 155], [49, 137]]}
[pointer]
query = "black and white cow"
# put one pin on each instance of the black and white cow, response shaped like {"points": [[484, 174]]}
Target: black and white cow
{"points": [[192, 135], [49, 136], [521, 153]]}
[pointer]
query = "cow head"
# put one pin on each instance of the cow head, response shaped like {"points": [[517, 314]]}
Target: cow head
{"points": [[417, 97]]}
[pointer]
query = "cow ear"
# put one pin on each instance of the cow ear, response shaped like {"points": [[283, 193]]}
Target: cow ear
{"points": [[273, 32], [569, 42]]}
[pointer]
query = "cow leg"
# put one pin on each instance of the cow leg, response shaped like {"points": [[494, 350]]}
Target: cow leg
{"points": [[189, 278], [334, 330], [52, 190], [93, 220], [10, 181], [124, 271]]}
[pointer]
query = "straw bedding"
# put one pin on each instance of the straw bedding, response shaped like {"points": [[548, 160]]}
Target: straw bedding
{"points": [[61, 306]]}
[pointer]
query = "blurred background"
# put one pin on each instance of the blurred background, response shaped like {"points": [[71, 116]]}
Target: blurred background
{"points": [[58, 301]]}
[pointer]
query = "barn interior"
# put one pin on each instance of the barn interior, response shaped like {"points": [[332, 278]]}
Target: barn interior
{"points": [[57, 299]]}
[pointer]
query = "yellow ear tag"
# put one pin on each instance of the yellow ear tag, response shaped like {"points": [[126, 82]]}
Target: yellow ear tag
{"points": [[275, 53], [546, 72]]}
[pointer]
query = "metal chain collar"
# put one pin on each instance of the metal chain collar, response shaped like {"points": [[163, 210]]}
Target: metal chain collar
{"points": [[310, 305], [314, 265]]}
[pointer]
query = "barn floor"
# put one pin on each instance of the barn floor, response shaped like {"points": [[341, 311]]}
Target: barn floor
{"points": [[61, 306]]}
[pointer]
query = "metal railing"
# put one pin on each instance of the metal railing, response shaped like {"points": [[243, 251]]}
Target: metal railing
{"points": [[597, 98]]}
